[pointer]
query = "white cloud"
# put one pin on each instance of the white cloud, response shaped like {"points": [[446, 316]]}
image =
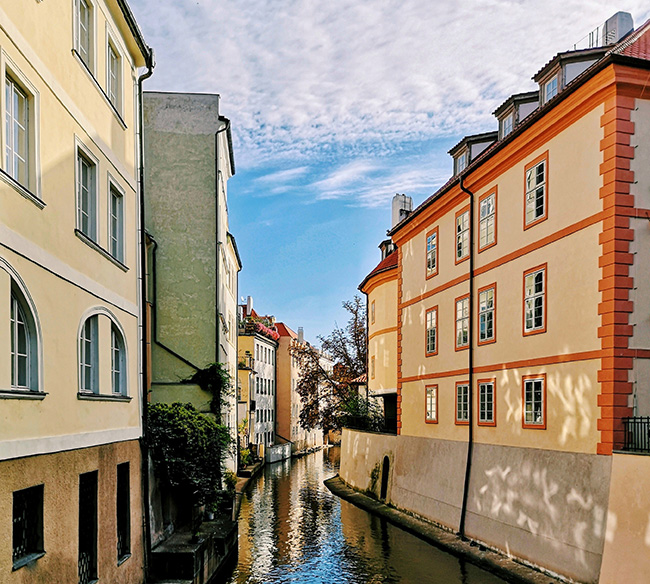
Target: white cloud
{"points": [[281, 176]]}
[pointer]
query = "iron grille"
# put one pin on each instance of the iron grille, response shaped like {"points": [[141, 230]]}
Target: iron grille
{"points": [[637, 434], [123, 511], [27, 522], [88, 527]]}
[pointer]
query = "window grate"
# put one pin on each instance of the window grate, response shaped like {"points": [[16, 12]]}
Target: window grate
{"points": [[88, 527], [637, 434], [27, 522]]}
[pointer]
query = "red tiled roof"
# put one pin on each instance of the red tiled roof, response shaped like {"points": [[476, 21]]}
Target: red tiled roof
{"points": [[637, 45], [285, 331], [363, 378], [388, 263]]}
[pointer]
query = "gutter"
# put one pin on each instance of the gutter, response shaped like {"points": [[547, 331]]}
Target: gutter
{"points": [[150, 64], [470, 363]]}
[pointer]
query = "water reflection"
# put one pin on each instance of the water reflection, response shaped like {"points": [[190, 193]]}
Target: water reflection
{"points": [[292, 529]]}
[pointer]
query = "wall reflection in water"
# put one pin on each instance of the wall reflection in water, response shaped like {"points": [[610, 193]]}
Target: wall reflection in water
{"points": [[292, 529]]}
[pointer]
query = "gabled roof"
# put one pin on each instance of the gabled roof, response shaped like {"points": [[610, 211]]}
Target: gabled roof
{"points": [[633, 50], [285, 331], [526, 97], [474, 139], [568, 56], [388, 263]]}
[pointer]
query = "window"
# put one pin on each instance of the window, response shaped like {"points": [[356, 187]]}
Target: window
{"points": [[487, 227], [462, 235], [462, 322], [550, 89], [486, 408], [431, 404], [22, 346], [17, 132], [534, 415], [536, 187], [372, 367], [85, 32], [507, 125], [123, 509], [27, 526], [88, 356], [461, 162], [113, 74], [535, 300], [118, 362], [432, 253], [486, 314], [431, 331], [86, 197], [462, 403], [87, 527], [372, 312], [116, 228]]}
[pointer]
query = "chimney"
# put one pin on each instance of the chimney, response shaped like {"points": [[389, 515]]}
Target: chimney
{"points": [[249, 305], [616, 27], [301, 335], [402, 206]]}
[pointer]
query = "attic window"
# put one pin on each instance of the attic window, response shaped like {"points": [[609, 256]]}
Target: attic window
{"points": [[550, 89], [461, 162], [506, 125]]}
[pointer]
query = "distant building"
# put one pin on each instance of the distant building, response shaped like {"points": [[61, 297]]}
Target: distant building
{"points": [[70, 458], [513, 323]]}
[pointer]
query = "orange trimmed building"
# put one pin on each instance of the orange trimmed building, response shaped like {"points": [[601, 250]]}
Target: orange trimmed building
{"points": [[514, 323]]}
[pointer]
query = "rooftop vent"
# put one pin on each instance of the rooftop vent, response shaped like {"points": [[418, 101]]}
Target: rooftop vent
{"points": [[402, 206], [613, 30]]}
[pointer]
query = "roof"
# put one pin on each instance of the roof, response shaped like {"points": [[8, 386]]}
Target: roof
{"points": [[577, 55], [388, 263], [285, 331], [147, 51], [231, 238], [633, 50], [474, 139], [363, 378], [516, 98]]}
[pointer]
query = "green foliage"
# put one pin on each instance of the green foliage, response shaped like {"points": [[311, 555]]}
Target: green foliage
{"points": [[362, 413], [216, 380], [245, 457], [230, 480], [188, 449]]}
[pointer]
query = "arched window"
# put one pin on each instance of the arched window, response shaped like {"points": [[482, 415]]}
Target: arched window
{"points": [[118, 362], [89, 356], [24, 344]]}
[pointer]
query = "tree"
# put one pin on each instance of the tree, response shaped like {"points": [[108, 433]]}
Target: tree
{"points": [[328, 400]]}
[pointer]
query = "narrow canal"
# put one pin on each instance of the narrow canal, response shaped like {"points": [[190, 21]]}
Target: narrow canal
{"points": [[292, 529]]}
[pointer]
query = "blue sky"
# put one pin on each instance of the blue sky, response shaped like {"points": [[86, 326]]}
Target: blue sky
{"points": [[336, 106]]}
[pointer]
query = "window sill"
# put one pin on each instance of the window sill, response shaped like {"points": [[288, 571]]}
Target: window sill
{"points": [[100, 89], [26, 560], [22, 190], [21, 394], [123, 559], [103, 397], [99, 249]]}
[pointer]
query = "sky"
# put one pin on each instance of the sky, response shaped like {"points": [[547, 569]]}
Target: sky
{"points": [[337, 106]]}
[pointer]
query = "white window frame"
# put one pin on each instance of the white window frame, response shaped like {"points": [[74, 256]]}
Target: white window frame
{"points": [[461, 162], [90, 60], [486, 402], [534, 409], [462, 322], [535, 191], [462, 403], [432, 253], [462, 236], [118, 361], [431, 328], [486, 313], [89, 355], [114, 88], [507, 124], [31, 187], [116, 243], [431, 403], [535, 300], [551, 88], [93, 212], [487, 221]]}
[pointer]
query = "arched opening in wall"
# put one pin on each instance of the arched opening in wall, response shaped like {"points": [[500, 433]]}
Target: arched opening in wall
{"points": [[385, 471]]}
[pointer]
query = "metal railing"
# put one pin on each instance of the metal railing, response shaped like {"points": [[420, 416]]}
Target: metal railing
{"points": [[637, 434]]}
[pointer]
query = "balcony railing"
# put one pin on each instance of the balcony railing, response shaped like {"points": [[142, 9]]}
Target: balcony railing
{"points": [[637, 434]]}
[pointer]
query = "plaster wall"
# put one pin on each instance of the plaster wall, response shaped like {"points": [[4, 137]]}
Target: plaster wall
{"points": [[59, 473], [382, 336], [626, 557]]}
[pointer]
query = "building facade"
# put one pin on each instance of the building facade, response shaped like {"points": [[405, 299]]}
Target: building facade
{"points": [[522, 329], [70, 458]]}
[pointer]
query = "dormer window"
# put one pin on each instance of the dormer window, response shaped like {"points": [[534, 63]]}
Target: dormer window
{"points": [[550, 89], [461, 162], [507, 125]]}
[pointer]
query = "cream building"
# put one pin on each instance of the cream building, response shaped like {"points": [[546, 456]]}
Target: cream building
{"points": [[520, 304], [70, 463]]}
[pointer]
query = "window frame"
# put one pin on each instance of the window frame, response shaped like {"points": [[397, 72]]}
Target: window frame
{"points": [[480, 291], [35, 548], [88, 526], [464, 157], [463, 298], [465, 232], [93, 362], [547, 83], [542, 158], [111, 46], [431, 404], [542, 329], [372, 312], [487, 195], [82, 153], [115, 190], [116, 334], [434, 310], [31, 190], [123, 511], [91, 62], [524, 380], [430, 273], [510, 117], [461, 421], [490, 381]]}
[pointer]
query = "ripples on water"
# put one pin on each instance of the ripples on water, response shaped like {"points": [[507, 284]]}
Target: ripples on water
{"points": [[292, 529]]}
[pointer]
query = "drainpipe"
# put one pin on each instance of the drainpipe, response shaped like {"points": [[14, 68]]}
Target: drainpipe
{"points": [[470, 363], [150, 64]]}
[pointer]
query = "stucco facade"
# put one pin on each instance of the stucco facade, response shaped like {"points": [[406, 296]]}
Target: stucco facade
{"points": [[69, 293], [522, 330]]}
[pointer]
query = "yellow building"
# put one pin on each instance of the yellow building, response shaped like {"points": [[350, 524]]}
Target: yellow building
{"points": [[70, 463], [519, 309]]}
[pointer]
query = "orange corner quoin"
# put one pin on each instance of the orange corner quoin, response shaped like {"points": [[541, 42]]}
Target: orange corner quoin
{"points": [[615, 260]]}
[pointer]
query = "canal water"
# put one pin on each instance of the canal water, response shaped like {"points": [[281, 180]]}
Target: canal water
{"points": [[292, 529]]}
